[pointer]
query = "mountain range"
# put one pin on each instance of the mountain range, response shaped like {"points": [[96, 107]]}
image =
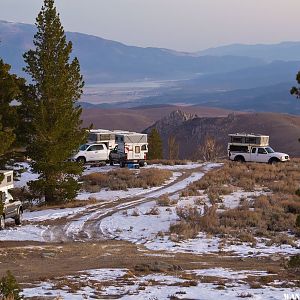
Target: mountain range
{"points": [[109, 61], [234, 77]]}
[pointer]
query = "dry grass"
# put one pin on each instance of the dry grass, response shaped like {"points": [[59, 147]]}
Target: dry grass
{"points": [[266, 216], [167, 162], [69, 204], [124, 179]]}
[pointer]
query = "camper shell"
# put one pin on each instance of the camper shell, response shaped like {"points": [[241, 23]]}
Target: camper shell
{"points": [[244, 147], [102, 136], [8, 207], [132, 147]]}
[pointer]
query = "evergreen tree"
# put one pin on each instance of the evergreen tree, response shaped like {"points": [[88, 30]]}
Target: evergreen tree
{"points": [[52, 110], [155, 145], [10, 89]]}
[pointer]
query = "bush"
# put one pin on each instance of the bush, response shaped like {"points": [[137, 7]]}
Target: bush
{"points": [[124, 179], [164, 200], [294, 261], [153, 211], [9, 288]]}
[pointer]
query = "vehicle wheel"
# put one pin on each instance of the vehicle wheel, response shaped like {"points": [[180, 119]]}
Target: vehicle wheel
{"points": [[2, 222], [142, 163], [274, 160], [122, 164], [111, 162], [240, 159], [81, 160], [19, 217]]}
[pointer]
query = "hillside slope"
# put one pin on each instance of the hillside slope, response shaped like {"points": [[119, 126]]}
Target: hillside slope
{"points": [[139, 118], [284, 130]]}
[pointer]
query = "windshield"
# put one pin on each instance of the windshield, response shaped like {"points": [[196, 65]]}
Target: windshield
{"points": [[83, 147], [269, 150]]}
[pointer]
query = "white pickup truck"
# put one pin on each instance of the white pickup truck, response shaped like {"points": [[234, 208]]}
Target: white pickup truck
{"points": [[253, 148], [92, 152], [9, 208]]}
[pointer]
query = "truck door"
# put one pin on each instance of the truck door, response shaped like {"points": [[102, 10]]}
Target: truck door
{"points": [[262, 155]]}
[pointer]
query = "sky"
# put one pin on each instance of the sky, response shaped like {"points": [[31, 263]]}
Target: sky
{"points": [[184, 25]]}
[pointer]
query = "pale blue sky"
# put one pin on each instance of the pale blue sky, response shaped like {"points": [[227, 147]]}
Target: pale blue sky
{"points": [[187, 25]]}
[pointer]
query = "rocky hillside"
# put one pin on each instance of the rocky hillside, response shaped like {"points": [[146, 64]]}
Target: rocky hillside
{"points": [[190, 131]]}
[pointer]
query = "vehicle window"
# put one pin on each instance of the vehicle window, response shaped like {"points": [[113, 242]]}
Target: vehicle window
{"points": [[253, 150], [91, 148], [137, 149], [144, 148], [262, 151], [269, 150], [83, 147], [98, 147], [236, 139], [250, 140]]}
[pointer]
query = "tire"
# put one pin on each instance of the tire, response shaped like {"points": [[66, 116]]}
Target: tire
{"points": [[239, 158], [2, 222], [273, 161], [122, 164], [111, 163], [19, 217], [142, 163], [81, 160]]}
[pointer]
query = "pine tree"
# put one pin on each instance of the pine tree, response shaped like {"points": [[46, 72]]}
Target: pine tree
{"points": [[53, 112], [10, 89], [155, 145]]}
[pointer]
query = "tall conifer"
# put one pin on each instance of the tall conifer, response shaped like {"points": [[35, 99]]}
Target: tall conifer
{"points": [[54, 113], [155, 145], [10, 89]]}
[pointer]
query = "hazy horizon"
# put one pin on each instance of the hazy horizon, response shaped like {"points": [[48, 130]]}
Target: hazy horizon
{"points": [[184, 25]]}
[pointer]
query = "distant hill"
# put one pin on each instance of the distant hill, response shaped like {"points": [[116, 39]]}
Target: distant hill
{"points": [[283, 51], [139, 118], [270, 74], [109, 61], [190, 131]]}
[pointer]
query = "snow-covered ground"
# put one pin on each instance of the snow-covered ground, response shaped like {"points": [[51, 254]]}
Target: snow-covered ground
{"points": [[122, 284], [138, 226]]}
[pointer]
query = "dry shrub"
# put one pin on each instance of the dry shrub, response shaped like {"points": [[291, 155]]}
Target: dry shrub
{"points": [[123, 179], [188, 213], [167, 162], [192, 222], [164, 200], [153, 211], [291, 206], [281, 239], [135, 213], [184, 230]]}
